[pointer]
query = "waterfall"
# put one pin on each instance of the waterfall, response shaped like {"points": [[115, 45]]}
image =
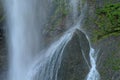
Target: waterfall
{"points": [[47, 67], [93, 74], [26, 19]]}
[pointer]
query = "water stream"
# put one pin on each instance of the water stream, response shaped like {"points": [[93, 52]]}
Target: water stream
{"points": [[25, 20]]}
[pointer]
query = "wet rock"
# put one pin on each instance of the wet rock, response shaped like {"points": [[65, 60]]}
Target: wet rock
{"points": [[116, 76], [74, 66], [109, 60], [109, 56], [3, 60]]}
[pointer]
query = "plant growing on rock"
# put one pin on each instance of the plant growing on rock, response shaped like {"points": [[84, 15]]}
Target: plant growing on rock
{"points": [[108, 21]]}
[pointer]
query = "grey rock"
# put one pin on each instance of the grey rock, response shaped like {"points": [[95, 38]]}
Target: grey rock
{"points": [[74, 66]]}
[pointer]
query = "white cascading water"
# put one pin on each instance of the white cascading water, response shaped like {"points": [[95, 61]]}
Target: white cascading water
{"points": [[74, 6], [93, 74], [25, 18], [25, 23]]}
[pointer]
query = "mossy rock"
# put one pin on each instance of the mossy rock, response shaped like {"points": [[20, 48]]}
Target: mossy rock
{"points": [[108, 21]]}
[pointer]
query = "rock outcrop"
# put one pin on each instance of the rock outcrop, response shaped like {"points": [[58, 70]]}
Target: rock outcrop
{"points": [[108, 62], [74, 65]]}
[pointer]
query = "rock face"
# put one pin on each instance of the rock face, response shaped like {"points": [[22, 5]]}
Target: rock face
{"points": [[109, 66], [3, 60], [3, 52], [74, 66], [108, 62]]}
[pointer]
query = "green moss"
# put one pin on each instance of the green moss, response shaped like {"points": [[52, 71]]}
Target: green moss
{"points": [[108, 21], [61, 11]]}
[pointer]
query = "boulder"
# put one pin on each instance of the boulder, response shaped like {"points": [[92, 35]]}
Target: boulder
{"points": [[73, 65]]}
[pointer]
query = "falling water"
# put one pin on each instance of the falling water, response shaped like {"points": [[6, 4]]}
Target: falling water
{"points": [[25, 20], [75, 10], [47, 67], [93, 74]]}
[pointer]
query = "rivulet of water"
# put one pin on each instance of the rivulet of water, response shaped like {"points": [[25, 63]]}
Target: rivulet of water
{"points": [[93, 74]]}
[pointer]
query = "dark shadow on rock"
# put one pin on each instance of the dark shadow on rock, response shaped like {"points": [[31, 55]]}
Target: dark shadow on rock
{"points": [[73, 65], [116, 76]]}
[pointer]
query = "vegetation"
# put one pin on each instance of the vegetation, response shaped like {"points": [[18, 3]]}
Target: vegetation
{"points": [[62, 8], [60, 12], [108, 21], [113, 62]]}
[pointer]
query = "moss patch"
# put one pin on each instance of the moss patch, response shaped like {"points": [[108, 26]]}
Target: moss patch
{"points": [[108, 21]]}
